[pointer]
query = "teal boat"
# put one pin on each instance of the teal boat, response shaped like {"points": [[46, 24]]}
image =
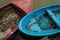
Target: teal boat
{"points": [[41, 22]]}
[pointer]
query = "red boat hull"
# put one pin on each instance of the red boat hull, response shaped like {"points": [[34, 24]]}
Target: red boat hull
{"points": [[24, 5]]}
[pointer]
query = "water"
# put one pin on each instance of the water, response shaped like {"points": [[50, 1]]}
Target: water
{"points": [[43, 3], [2, 2]]}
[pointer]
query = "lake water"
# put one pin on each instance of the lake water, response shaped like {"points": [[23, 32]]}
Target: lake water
{"points": [[43, 3]]}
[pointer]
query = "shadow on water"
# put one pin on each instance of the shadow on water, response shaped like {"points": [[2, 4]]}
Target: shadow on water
{"points": [[20, 36], [54, 37]]}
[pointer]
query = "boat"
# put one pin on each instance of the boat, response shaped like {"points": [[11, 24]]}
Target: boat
{"points": [[41, 22], [20, 6]]}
